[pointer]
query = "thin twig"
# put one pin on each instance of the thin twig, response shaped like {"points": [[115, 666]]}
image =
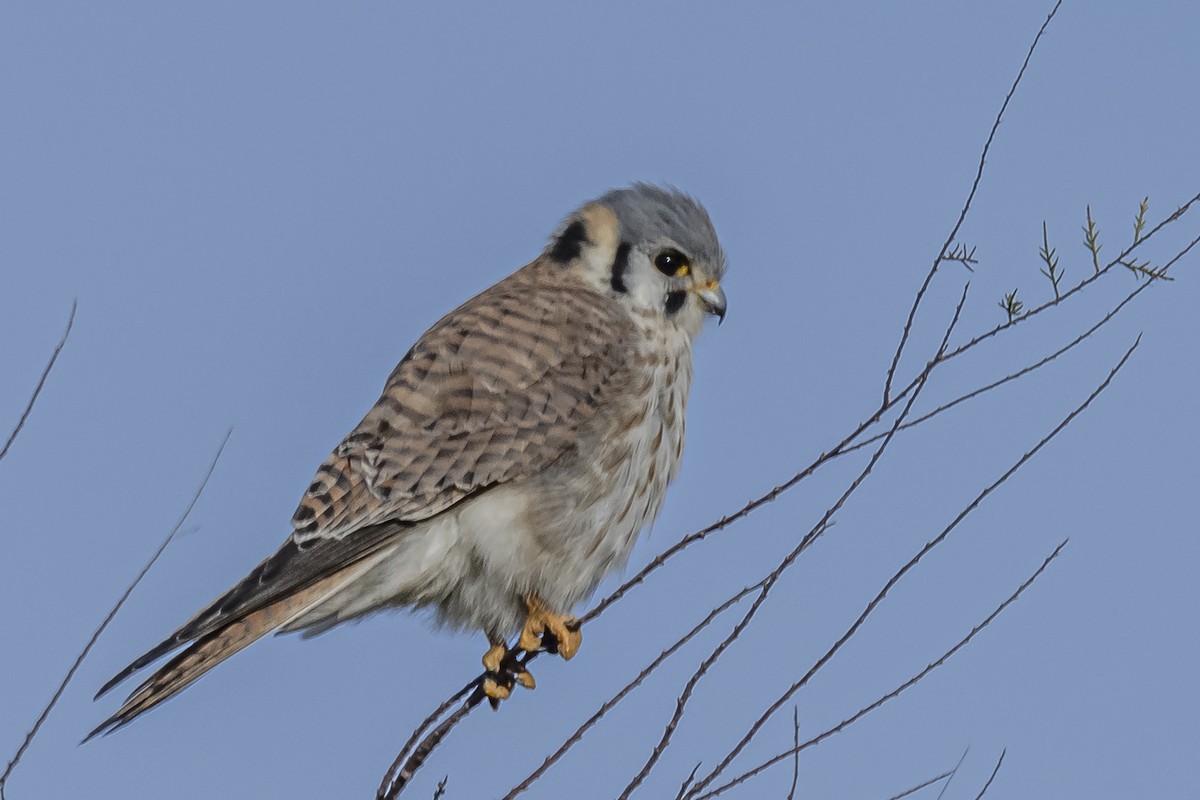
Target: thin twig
{"points": [[440, 791], [683, 787], [914, 789], [405, 765], [37, 390], [661, 559], [966, 207], [109, 617], [953, 774], [1179, 255], [395, 779], [862, 712], [417, 759], [999, 761], [796, 758]]}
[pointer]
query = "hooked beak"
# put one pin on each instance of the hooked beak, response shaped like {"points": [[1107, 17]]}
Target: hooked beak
{"points": [[712, 297]]}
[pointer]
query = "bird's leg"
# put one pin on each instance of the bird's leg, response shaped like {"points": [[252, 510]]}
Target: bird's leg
{"points": [[557, 633], [503, 671]]}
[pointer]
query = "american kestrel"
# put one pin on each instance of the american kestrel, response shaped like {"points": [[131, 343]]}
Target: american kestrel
{"points": [[517, 451]]}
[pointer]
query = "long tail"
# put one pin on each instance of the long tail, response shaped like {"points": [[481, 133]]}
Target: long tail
{"points": [[210, 650]]}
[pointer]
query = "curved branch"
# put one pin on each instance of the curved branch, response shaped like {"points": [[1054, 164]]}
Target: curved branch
{"points": [[37, 390], [988, 785]]}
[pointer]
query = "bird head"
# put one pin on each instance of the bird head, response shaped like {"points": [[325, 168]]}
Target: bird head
{"points": [[654, 250]]}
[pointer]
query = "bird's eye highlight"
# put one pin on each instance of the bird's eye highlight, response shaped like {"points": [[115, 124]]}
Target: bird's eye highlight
{"points": [[673, 263]]}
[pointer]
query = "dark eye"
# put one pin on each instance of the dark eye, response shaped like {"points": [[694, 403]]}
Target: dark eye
{"points": [[673, 263]]}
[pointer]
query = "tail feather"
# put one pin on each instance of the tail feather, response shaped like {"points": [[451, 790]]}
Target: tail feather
{"points": [[144, 660], [211, 649]]}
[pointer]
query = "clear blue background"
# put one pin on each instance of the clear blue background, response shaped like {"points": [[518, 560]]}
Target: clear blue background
{"points": [[260, 206]]}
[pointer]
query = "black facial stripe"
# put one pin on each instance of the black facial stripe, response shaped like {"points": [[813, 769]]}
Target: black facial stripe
{"points": [[570, 243], [675, 301], [620, 264]]}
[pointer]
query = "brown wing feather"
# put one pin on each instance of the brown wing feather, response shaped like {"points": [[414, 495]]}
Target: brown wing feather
{"points": [[493, 392]]}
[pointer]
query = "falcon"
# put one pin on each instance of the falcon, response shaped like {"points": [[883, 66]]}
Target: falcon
{"points": [[516, 453]]}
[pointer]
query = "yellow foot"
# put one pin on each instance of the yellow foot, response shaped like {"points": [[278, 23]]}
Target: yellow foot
{"points": [[495, 690], [494, 657], [558, 633], [504, 671]]}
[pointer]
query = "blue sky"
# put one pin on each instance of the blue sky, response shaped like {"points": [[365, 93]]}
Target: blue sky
{"points": [[260, 206]]}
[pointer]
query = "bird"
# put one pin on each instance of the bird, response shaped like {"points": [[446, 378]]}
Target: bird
{"points": [[516, 453]]}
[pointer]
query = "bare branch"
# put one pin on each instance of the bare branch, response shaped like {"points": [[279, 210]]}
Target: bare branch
{"points": [[922, 785], [431, 741], [862, 712], [796, 758], [398, 776], [109, 617], [987, 785], [724, 522], [1011, 376], [687, 782], [37, 390], [966, 207], [1180, 254], [953, 774]]}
